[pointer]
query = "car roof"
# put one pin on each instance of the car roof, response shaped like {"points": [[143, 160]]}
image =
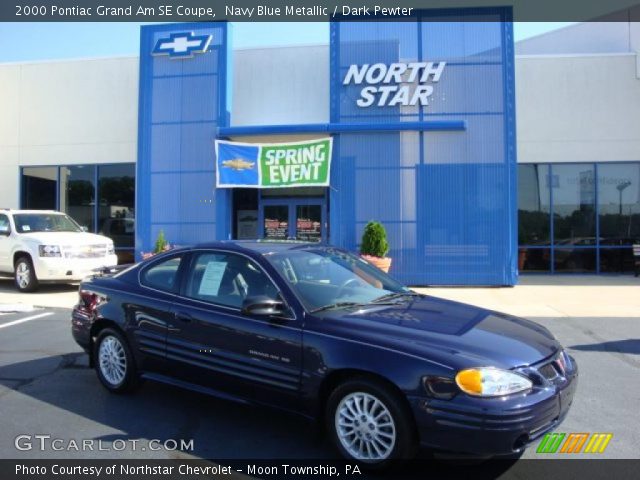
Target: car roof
{"points": [[11, 210], [261, 246]]}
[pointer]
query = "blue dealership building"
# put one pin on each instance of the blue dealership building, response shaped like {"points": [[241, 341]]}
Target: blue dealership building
{"points": [[439, 171], [482, 157]]}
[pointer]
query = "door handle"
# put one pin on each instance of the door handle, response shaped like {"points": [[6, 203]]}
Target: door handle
{"points": [[183, 317]]}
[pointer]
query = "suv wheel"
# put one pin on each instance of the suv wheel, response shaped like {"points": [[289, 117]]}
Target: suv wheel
{"points": [[369, 424], [114, 362], [25, 275]]}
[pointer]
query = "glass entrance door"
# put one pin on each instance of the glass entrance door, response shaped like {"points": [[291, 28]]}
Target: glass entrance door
{"points": [[293, 219]]}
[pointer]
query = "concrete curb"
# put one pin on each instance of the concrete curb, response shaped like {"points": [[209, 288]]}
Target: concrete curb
{"points": [[16, 308]]}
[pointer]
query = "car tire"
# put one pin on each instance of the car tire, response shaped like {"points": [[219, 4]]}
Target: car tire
{"points": [[24, 275], [370, 423], [114, 362]]}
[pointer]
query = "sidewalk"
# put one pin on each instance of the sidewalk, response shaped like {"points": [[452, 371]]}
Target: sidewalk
{"points": [[555, 296], [534, 296], [61, 296]]}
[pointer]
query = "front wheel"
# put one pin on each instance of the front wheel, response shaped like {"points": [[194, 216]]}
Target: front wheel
{"points": [[114, 362], [369, 423], [25, 275]]}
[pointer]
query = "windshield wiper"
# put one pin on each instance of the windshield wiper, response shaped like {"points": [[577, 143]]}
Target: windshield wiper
{"points": [[331, 306], [394, 295]]}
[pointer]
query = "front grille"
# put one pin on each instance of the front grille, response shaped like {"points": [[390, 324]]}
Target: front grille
{"points": [[85, 251], [549, 371]]}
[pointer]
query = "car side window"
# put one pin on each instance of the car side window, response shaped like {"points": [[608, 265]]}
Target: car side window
{"points": [[4, 224], [227, 279], [162, 275]]}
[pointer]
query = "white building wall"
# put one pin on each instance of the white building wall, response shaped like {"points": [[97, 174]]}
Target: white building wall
{"points": [[581, 38], [66, 112], [573, 108], [580, 108]]}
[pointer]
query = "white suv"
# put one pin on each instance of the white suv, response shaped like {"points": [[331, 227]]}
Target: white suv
{"points": [[48, 246]]}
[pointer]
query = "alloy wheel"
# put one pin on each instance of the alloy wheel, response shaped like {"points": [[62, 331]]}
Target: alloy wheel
{"points": [[112, 360], [23, 274], [365, 427]]}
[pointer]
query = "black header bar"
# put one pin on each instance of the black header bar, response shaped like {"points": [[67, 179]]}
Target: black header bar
{"points": [[305, 10]]}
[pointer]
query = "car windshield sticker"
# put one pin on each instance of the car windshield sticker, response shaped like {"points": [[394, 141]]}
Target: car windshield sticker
{"points": [[210, 284]]}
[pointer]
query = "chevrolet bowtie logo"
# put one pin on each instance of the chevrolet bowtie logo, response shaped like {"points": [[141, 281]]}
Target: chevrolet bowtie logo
{"points": [[182, 45]]}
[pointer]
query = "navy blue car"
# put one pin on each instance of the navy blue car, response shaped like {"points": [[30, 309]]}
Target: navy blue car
{"points": [[318, 331]]}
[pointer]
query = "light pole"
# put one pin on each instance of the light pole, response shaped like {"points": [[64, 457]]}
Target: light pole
{"points": [[621, 187]]}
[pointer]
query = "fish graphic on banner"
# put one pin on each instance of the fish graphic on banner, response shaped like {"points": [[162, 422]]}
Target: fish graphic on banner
{"points": [[237, 165]]}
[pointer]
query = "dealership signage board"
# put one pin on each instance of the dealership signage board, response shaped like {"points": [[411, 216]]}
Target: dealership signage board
{"points": [[391, 85], [273, 165]]}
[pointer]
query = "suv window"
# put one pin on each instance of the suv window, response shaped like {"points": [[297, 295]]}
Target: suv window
{"points": [[163, 275], [4, 224], [227, 279], [44, 222]]}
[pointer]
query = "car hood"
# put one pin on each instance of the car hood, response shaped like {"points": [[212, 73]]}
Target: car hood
{"points": [[66, 238], [451, 333]]}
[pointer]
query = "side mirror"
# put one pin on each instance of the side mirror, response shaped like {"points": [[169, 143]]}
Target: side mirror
{"points": [[4, 230], [262, 305]]}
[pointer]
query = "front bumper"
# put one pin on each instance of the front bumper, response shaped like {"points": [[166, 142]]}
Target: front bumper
{"points": [[50, 269], [493, 426]]}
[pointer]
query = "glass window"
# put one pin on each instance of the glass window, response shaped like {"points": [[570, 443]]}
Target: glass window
{"points": [[533, 204], [309, 223], [5, 228], [276, 222], [534, 259], [574, 260], [619, 203], [44, 222], [116, 208], [573, 205], [39, 188], [327, 276], [617, 260], [162, 275], [227, 279], [77, 193]]}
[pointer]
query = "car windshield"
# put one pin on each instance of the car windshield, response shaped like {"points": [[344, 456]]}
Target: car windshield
{"points": [[326, 278], [44, 222]]}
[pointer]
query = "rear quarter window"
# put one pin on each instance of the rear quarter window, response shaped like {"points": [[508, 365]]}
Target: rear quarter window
{"points": [[163, 275]]}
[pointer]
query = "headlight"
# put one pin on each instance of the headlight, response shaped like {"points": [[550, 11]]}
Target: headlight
{"points": [[110, 249], [491, 382], [49, 251]]}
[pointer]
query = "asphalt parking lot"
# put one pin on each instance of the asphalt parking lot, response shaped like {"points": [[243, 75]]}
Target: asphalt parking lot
{"points": [[47, 388]]}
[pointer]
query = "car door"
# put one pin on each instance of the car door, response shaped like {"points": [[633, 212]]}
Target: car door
{"points": [[149, 311], [214, 344]]}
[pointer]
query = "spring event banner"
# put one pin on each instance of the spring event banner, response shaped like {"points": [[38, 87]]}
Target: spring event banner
{"points": [[273, 165]]}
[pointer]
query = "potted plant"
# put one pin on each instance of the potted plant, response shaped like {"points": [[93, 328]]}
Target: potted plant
{"points": [[160, 246], [374, 246]]}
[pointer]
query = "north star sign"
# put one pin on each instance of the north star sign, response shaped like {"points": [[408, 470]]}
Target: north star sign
{"points": [[182, 45], [390, 85]]}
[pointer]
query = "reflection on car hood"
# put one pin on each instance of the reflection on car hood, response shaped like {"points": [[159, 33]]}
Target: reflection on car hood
{"points": [[450, 333], [66, 238]]}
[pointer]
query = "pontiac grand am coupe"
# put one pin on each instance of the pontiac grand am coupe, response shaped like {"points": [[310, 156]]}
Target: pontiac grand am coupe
{"points": [[318, 331]]}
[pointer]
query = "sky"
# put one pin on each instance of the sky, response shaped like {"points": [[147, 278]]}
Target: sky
{"points": [[21, 42]]}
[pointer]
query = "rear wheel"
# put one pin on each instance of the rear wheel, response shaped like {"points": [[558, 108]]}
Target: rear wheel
{"points": [[25, 275], [369, 423], [114, 362]]}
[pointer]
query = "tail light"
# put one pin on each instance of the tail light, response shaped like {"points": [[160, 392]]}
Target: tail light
{"points": [[89, 300]]}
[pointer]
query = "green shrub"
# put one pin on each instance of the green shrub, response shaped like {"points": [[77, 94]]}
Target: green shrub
{"points": [[161, 243], [374, 240]]}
